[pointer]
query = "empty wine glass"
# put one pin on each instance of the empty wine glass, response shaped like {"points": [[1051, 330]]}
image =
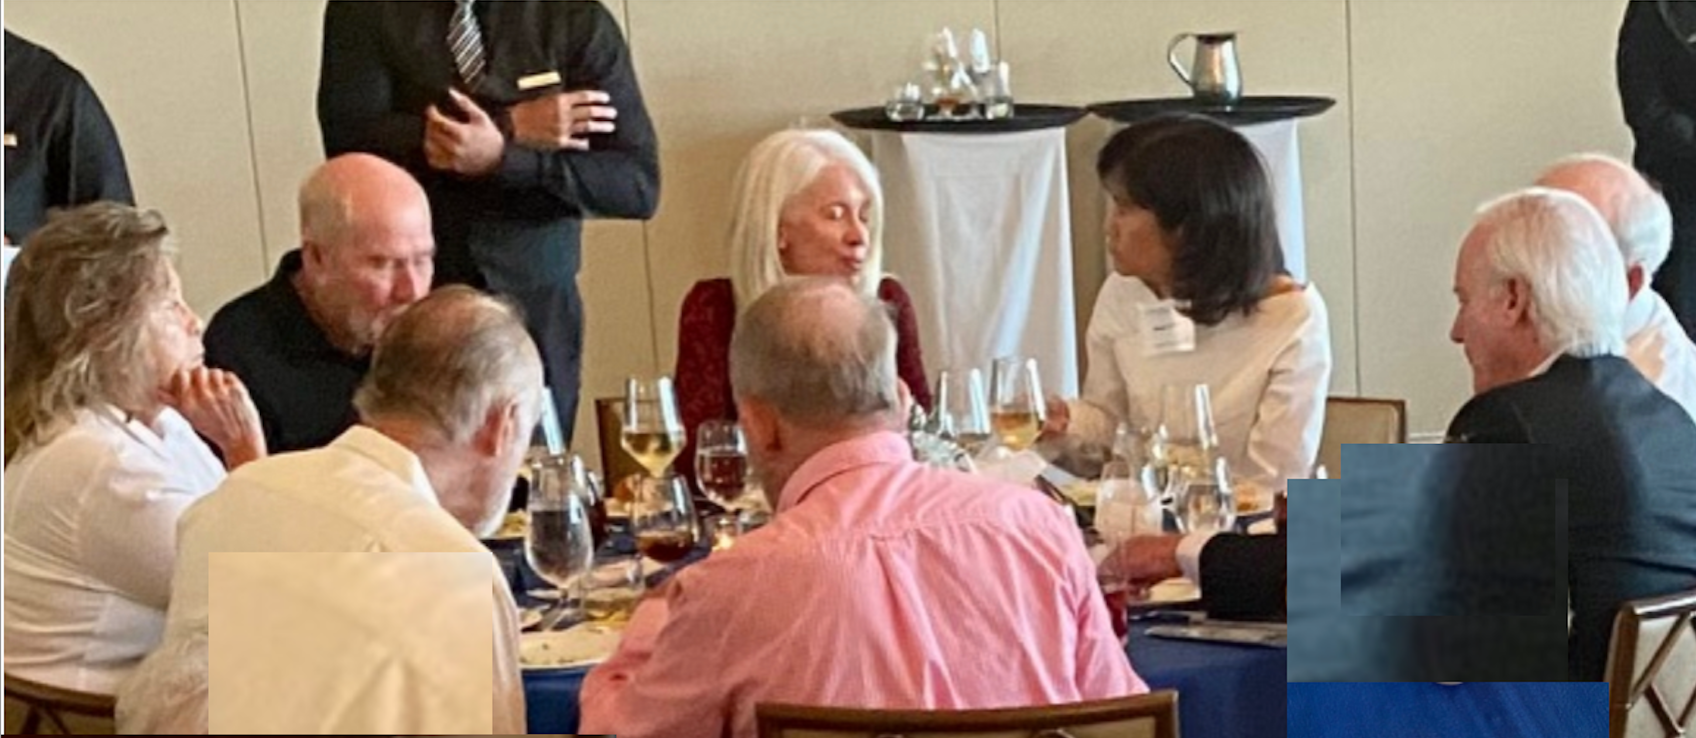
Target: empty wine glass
{"points": [[1016, 402], [587, 487], [560, 544], [721, 463], [964, 409], [1186, 417], [653, 434], [663, 518], [1124, 509]]}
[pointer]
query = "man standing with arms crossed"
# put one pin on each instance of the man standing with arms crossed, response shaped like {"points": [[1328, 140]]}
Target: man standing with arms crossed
{"points": [[520, 118]]}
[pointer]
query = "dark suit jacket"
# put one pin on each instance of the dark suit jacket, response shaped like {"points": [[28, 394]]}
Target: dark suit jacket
{"points": [[1242, 577], [1628, 454]]}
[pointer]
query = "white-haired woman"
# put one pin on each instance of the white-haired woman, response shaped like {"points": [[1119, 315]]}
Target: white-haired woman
{"points": [[807, 203], [105, 395]]}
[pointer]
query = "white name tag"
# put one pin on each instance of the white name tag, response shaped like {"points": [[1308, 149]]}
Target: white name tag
{"points": [[11, 140], [1164, 330], [542, 79]]}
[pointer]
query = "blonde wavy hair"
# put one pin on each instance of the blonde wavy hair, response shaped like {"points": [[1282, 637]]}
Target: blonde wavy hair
{"points": [[78, 299], [780, 166]]}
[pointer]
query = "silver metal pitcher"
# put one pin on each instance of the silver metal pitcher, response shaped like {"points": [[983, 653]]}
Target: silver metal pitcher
{"points": [[1214, 77]]}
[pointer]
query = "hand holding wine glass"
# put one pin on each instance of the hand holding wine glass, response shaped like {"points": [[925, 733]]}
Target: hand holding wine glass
{"points": [[1124, 510]]}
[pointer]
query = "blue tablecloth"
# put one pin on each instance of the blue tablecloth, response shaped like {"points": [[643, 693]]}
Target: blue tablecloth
{"points": [[1224, 691], [1469, 710]]}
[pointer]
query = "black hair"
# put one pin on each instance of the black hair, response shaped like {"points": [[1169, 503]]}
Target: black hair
{"points": [[1206, 185]]}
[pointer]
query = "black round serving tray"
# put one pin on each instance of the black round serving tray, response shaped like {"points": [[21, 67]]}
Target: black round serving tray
{"points": [[1026, 117], [1257, 109]]}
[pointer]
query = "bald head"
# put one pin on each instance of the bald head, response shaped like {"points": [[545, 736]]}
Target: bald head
{"points": [[1636, 214], [367, 250], [353, 192], [821, 354]]}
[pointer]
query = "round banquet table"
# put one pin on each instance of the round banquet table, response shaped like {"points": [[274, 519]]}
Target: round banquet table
{"points": [[1225, 691]]}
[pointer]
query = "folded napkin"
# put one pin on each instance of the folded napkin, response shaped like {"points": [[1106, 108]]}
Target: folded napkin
{"points": [[1020, 468]]}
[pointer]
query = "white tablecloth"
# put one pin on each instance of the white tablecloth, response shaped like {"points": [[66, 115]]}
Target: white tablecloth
{"points": [[979, 230], [1278, 146]]}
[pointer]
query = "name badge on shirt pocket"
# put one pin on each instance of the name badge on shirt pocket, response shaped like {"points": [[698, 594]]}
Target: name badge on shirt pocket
{"points": [[1164, 330], [11, 140], [540, 79]]}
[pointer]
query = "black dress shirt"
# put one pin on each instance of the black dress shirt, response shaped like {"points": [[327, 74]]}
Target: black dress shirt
{"points": [[61, 149], [384, 63], [301, 384]]}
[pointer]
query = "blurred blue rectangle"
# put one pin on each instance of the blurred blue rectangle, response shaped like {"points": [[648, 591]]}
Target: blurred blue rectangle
{"points": [[1467, 710], [1428, 563]]}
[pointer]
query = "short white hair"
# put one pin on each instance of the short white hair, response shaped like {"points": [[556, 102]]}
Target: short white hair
{"points": [[1559, 246], [780, 166], [820, 353], [1634, 210], [449, 360]]}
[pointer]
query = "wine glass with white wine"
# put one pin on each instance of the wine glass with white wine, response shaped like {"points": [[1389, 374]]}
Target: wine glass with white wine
{"points": [[1016, 403], [653, 432], [1186, 420]]}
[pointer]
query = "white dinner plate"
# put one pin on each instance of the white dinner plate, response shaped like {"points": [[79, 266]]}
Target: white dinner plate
{"points": [[581, 645], [1175, 590]]}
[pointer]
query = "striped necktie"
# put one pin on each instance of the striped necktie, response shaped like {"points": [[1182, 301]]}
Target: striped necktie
{"points": [[465, 41]]}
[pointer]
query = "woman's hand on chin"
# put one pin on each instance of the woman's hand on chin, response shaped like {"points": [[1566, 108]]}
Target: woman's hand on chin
{"points": [[217, 405]]}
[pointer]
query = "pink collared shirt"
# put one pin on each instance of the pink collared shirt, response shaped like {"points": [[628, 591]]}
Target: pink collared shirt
{"points": [[880, 583]]}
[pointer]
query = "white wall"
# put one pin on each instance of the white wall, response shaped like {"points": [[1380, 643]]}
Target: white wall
{"points": [[1440, 105]]}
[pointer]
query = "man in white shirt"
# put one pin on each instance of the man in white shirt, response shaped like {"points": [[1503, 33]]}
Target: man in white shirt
{"points": [[1642, 225], [322, 627]]}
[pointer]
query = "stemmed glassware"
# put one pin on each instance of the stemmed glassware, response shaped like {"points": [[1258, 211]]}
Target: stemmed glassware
{"points": [[559, 544], [1124, 509], [663, 518], [1016, 407], [721, 463], [1198, 480], [653, 432], [963, 409]]}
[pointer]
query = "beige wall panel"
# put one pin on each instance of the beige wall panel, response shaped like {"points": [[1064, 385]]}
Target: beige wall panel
{"points": [[720, 76], [170, 74], [618, 336], [280, 43], [1086, 52], [1456, 102]]}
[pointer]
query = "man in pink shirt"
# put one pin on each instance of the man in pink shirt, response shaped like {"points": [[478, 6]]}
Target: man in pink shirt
{"points": [[880, 582]]}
